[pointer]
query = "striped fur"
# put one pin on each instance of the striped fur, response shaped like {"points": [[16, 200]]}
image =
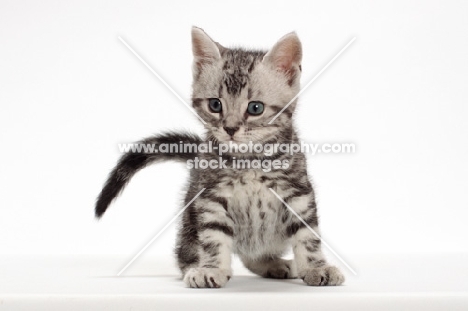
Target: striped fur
{"points": [[237, 213]]}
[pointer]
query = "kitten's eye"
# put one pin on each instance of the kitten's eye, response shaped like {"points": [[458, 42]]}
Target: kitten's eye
{"points": [[255, 108], [215, 105]]}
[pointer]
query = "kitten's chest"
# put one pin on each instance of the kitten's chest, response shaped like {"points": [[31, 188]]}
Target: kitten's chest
{"points": [[247, 193], [256, 213]]}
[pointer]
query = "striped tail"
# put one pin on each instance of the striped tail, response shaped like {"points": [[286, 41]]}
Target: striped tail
{"points": [[130, 163]]}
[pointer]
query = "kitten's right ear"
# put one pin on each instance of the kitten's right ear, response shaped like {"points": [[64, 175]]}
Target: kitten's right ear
{"points": [[204, 49], [286, 55]]}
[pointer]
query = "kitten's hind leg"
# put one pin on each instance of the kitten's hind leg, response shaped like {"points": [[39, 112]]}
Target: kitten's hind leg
{"points": [[271, 267]]}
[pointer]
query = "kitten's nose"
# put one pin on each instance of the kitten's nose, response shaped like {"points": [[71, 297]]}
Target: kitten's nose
{"points": [[230, 130]]}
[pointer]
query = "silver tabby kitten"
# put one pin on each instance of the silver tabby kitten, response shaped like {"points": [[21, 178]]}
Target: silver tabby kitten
{"points": [[237, 92]]}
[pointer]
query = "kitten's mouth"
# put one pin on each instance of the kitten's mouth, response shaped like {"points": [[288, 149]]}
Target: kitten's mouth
{"points": [[235, 140], [229, 139]]}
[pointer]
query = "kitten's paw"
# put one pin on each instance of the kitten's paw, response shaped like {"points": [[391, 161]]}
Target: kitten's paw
{"points": [[207, 277], [327, 275], [282, 269]]}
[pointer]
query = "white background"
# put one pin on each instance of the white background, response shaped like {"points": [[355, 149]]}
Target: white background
{"points": [[70, 91]]}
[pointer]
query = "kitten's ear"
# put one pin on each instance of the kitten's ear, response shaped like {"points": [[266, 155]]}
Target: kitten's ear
{"points": [[286, 54], [204, 49]]}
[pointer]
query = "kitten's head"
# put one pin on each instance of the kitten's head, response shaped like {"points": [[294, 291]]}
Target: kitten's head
{"points": [[238, 92]]}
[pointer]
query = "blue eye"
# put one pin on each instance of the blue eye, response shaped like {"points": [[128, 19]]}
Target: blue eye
{"points": [[215, 105], [255, 108]]}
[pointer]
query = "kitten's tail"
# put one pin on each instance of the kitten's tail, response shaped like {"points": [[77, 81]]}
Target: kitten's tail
{"points": [[132, 162]]}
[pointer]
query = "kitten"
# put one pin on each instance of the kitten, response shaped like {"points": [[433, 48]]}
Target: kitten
{"points": [[237, 92]]}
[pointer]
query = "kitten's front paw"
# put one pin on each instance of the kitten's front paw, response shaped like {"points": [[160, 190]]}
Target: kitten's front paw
{"points": [[327, 275], [207, 277]]}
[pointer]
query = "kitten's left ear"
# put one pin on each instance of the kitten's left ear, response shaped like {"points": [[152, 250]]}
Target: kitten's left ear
{"points": [[205, 50], [286, 55]]}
